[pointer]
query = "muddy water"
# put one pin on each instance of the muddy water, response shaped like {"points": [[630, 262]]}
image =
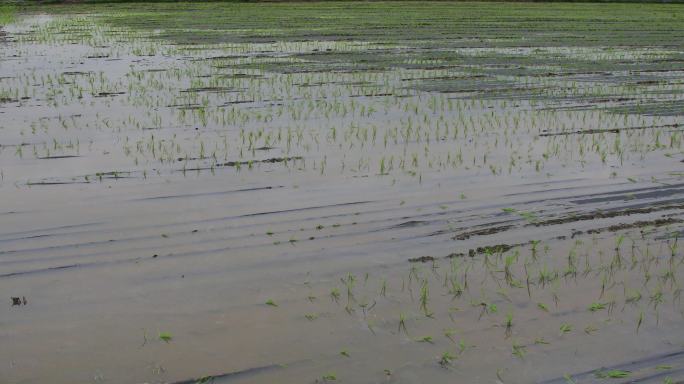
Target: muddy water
{"points": [[269, 212]]}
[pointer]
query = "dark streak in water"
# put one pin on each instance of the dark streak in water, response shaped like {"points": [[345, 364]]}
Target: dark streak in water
{"points": [[208, 193], [647, 362], [232, 375]]}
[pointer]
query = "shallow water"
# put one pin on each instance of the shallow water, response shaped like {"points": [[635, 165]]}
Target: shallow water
{"points": [[496, 204]]}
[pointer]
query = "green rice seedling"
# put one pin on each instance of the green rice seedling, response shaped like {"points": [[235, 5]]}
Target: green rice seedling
{"points": [[349, 309], [519, 351], [509, 325], [402, 324], [350, 282], [345, 353], [365, 306], [383, 287], [426, 339], [508, 262], [329, 377], [335, 295], [446, 359], [165, 336], [455, 288], [487, 308], [424, 297], [370, 324], [673, 246], [546, 276], [462, 346], [565, 328], [535, 244], [449, 334], [657, 298], [271, 303], [413, 274]]}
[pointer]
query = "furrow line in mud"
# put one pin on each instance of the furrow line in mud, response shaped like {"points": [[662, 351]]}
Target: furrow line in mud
{"points": [[487, 230], [649, 362]]}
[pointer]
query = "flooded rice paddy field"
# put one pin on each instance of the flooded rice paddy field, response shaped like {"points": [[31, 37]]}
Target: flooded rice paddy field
{"points": [[342, 192]]}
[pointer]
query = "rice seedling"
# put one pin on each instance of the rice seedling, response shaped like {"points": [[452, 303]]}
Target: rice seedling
{"points": [[426, 339], [402, 324], [165, 336], [565, 328], [383, 287], [449, 334], [518, 350], [271, 303], [424, 296], [335, 295], [509, 324], [446, 359]]}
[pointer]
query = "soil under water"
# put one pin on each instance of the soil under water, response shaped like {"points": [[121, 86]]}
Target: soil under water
{"points": [[243, 200]]}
